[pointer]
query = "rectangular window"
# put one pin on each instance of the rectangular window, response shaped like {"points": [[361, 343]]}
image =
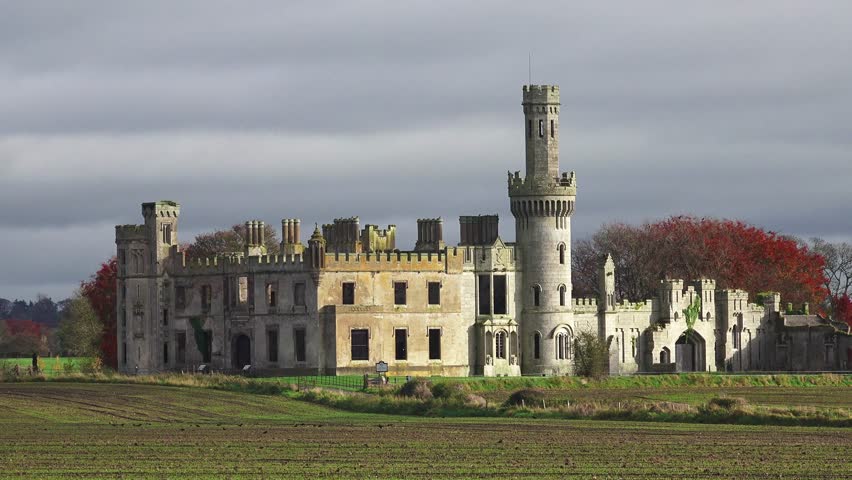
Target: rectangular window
{"points": [[299, 340], [434, 344], [206, 298], [180, 355], [242, 290], [401, 341], [299, 294], [124, 353], [272, 345], [180, 298], [434, 293], [123, 317], [349, 293], [360, 344], [271, 295], [166, 353], [167, 234], [208, 346], [500, 295], [399, 291], [529, 128], [485, 294], [552, 129], [165, 316]]}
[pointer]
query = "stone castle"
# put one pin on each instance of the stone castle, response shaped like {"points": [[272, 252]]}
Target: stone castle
{"points": [[348, 298]]}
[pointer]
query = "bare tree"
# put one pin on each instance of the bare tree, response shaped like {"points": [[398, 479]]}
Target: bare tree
{"points": [[838, 266]]}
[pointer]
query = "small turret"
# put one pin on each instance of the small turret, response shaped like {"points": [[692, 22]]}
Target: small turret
{"points": [[316, 249], [607, 284]]}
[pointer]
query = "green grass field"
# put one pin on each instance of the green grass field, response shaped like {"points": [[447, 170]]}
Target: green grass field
{"points": [[74, 430], [49, 364]]}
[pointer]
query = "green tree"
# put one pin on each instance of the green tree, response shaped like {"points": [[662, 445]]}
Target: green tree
{"points": [[231, 240], [80, 329], [591, 355]]}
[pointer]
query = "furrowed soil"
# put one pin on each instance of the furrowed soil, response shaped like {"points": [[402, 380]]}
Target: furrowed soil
{"points": [[50, 430]]}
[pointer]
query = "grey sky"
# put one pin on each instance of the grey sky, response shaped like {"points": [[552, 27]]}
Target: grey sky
{"points": [[398, 110]]}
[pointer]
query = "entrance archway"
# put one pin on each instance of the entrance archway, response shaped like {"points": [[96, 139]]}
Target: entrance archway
{"points": [[689, 352], [242, 351]]}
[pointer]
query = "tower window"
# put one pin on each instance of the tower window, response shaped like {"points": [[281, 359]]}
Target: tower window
{"points": [[529, 128], [541, 128], [349, 293], [166, 353], [562, 254], [536, 295], [562, 290], [537, 345], [551, 129]]}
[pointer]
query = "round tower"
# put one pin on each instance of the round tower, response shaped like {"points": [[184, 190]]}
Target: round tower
{"points": [[542, 203]]}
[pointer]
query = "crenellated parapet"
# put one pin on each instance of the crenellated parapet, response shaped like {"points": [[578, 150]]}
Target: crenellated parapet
{"points": [[539, 96], [519, 186], [236, 262], [450, 260], [375, 239], [130, 233]]}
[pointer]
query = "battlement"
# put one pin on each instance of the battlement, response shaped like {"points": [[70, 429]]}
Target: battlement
{"points": [[449, 260], [129, 232], [672, 284], [161, 208], [541, 94], [229, 262], [565, 185]]}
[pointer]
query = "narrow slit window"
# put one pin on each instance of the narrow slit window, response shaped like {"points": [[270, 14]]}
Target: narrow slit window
{"points": [[537, 345], [562, 295], [536, 295], [552, 129], [529, 128], [541, 128]]}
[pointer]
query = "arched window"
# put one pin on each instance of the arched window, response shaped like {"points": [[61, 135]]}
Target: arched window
{"points": [[561, 248], [563, 346], [537, 345], [536, 295], [500, 349], [562, 295], [560, 346], [665, 355]]}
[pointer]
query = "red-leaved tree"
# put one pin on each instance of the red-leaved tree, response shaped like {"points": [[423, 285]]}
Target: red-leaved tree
{"points": [[100, 292], [734, 253], [842, 307]]}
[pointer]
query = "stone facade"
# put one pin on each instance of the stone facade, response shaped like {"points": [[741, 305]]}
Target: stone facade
{"points": [[348, 298]]}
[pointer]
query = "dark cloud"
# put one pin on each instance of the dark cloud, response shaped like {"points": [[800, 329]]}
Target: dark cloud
{"points": [[399, 110]]}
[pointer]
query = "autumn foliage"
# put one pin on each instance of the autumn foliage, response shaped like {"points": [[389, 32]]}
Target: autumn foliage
{"points": [[100, 291], [734, 253], [842, 306]]}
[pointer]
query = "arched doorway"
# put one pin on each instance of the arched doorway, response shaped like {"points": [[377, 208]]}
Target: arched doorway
{"points": [[689, 352], [242, 351]]}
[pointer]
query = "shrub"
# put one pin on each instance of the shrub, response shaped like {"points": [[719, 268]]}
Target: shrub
{"points": [[68, 366], [728, 403], [475, 401], [417, 388], [529, 397], [591, 355], [450, 391]]}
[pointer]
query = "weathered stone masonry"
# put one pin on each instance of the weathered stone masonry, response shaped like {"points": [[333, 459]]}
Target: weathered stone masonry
{"points": [[348, 298]]}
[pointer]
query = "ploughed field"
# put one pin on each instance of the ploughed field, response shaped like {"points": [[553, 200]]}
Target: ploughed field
{"points": [[56, 430]]}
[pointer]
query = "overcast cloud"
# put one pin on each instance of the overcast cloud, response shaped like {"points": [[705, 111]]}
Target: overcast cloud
{"points": [[398, 110]]}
